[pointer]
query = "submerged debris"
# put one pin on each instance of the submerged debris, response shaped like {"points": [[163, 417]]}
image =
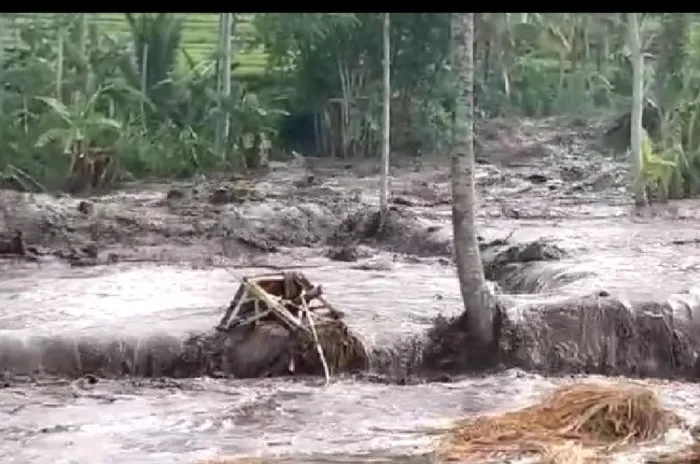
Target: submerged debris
{"points": [[346, 253], [13, 245], [589, 416]]}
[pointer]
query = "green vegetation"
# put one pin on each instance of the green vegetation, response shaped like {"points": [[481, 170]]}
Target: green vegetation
{"points": [[199, 38], [312, 83]]}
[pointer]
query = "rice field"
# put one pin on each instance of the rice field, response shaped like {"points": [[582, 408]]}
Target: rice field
{"points": [[199, 35]]}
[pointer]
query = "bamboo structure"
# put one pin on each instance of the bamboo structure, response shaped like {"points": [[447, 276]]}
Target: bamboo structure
{"points": [[290, 299]]}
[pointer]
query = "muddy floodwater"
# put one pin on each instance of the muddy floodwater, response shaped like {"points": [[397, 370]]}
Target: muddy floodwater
{"points": [[140, 269], [155, 421]]}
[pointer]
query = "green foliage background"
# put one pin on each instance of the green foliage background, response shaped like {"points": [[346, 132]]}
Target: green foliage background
{"points": [[311, 83]]}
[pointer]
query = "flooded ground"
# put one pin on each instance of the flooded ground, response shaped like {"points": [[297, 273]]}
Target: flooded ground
{"points": [[165, 268], [187, 421], [197, 419]]}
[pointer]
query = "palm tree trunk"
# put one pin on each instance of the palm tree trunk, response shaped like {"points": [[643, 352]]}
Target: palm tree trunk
{"points": [[640, 199], [477, 299], [386, 103]]}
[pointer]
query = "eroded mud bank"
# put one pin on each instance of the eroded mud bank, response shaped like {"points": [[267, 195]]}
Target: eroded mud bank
{"points": [[598, 333]]}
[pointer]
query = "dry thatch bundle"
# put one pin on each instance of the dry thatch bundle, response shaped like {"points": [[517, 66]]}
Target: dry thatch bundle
{"points": [[590, 415], [566, 453]]}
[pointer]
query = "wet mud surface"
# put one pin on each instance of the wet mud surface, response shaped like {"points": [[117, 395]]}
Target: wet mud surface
{"points": [[132, 274]]}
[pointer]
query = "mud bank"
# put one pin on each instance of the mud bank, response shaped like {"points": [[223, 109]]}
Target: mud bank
{"points": [[265, 352], [598, 333], [529, 169], [211, 235]]}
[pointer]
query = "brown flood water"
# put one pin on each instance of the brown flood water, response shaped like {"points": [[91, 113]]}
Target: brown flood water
{"points": [[140, 421]]}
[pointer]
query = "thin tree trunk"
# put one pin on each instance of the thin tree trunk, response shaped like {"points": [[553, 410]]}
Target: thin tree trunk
{"points": [[82, 46], [2, 88], [640, 200], [477, 299], [144, 81], [59, 66], [502, 24], [606, 53], [386, 104], [227, 25], [218, 138], [487, 63], [219, 47]]}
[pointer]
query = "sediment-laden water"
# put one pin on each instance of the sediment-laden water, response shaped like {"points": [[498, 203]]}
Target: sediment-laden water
{"points": [[52, 308]]}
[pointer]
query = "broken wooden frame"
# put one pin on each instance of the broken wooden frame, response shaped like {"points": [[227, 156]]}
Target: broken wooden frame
{"points": [[288, 297]]}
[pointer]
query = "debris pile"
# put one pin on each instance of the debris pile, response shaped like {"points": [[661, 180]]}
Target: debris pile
{"points": [[289, 299], [573, 420]]}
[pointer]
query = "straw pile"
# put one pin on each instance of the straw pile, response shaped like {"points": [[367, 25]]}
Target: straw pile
{"points": [[567, 453], [589, 415]]}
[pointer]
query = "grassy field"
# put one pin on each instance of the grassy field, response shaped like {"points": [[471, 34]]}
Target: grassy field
{"points": [[199, 37]]}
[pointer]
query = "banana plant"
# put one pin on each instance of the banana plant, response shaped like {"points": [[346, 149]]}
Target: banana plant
{"points": [[81, 122], [252, 124], [157, 39], [657, 168]]}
